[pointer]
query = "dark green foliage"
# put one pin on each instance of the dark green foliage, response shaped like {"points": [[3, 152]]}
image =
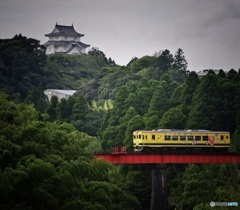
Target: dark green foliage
{"points": [[144, 96], [200, 184], [164, 62], [180, 62], [37, 97], [80, 108], [159, 102], [52, 109], [138, 181], [214, 104], [98, 53], [144, 62], [136, 123], [235, 140], [173, 118], [21, 62], [46, 163], [50, 166], [72, 71], [188, 91]]}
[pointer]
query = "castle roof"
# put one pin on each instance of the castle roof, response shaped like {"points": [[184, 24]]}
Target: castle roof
{"points": [[67, 43], [61, 30]]}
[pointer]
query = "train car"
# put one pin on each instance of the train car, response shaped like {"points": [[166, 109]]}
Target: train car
{"points": [[144, 140]]}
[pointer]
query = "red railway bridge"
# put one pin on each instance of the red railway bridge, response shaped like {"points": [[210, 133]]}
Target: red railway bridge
{"points": [[122, 158], [159, 179]]}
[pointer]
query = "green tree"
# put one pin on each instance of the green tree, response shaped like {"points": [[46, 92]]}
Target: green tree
{"points": [[94, 51], [149, 72], [159, 102], [194, 188], [213, 104], [179, 61], [152, 122], [235, 143], [48, 165], [131, 101], [144, 95], [142, 63], [169, 85], [108, 138], [175, 99], [188, 90], [80, 108], [120, 107], [136, 123], [65, 108], [131, 112], [229, 100], [22, 61], [173, 118], [52, 108], [38, 98], [164, 62]]}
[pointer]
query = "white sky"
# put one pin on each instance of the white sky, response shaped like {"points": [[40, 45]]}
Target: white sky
{"points": [[208, 31]]}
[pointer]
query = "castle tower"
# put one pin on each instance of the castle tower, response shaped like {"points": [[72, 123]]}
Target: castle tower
{"points": [[64, 39]]}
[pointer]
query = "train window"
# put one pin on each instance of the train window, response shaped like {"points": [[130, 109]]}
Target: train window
{"points": [[174, 137], [222, 137], [183, 138], [146, 137], [226, 137], [142, 136], [190, 138], [198, 138], [167, 137], [205, 138], [139, 136], [134, 136], [153, 137]]}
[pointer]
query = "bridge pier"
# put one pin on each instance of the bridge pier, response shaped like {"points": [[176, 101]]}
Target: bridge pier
{"points": [[159, 194]]}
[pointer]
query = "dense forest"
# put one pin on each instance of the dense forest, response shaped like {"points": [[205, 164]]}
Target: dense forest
{"points": [[46, 147]]}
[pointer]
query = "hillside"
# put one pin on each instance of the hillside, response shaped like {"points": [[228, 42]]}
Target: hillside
{"points": [[73, 71], [24, 65], [49, 144]]}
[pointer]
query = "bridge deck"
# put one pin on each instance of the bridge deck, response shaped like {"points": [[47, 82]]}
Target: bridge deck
{"points": [[122, 158]]}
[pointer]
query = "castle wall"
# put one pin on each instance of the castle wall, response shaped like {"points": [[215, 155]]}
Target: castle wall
{"points": [[50, 49]]}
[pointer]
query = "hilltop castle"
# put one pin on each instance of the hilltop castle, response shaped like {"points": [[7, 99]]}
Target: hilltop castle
{"points": [[64, 39]]}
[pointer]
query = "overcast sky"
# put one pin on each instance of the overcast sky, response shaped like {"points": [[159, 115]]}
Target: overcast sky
{"points": [[208, 31]]}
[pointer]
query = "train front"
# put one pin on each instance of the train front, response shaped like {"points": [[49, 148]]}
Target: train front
{"points": [[137, 141]]}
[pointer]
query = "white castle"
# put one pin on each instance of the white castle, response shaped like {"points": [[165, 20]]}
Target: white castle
{"points": [[64, 39]]}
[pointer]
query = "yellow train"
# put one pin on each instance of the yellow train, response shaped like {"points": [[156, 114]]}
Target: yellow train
{"points": [[170, 138]]}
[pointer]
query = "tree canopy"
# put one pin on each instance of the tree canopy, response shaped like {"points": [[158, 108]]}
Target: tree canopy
{"points": [[50, 166], [46, 147]]}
